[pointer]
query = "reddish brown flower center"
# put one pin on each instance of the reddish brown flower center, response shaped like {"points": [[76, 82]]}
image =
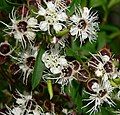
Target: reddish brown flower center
{"points": [[67, 71], [102, 92], [82, 24], [14, 68], [108, 67], [30, 61], [5, 48], [22, 26]]}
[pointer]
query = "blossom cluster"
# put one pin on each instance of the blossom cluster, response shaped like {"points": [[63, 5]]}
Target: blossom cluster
{"points": [[49, 26]]}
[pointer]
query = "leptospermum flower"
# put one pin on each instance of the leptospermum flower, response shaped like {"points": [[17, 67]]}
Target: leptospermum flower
{"points": [[26, 105], [26, 62], [83, 25], [53, 60], [101, 63], [66, 77], [101, 94], [22, 29], [53, 16]]}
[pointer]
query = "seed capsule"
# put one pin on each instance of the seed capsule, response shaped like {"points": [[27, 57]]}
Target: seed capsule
{"points": [[105, 51], [4, 48], [90, 83], [14, 69], [82, 75], [76, 65]]}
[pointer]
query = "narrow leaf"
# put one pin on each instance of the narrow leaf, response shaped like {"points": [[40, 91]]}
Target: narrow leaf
{"points": [[50, 89], [38, 69]]}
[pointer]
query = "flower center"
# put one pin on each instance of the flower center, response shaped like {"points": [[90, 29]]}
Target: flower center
{"points": [[67, 71], [14, 68], [102, 92], [82, 24], [22, 26], [108, 67], [4, 48], [30, 61]]}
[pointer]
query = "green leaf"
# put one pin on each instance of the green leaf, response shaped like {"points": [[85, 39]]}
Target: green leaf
{"points": [[110, 28], [101, 41], [73, 5], [113, 3], [62, 33], [96, 3], [74, 92], [50, 88], [38, 69]]}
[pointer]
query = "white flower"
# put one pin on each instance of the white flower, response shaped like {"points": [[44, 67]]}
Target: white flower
{"points": [[101, 64], [53, 16], [60, 41], [84, 25], [54, 61], [22, 29], [26, 106], [101, 95], [66, 76], [26, 62]]}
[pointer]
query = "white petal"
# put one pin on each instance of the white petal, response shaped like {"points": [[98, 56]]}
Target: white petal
{"points": [[18, 35], [30, 35], [75, 18], [98, 73], [84, 35], [55, 70], [74, 31], [95, 87], [62, 61], [57, 27], [42, 11], [50, 6], [62, 16], [20, 101], [17, 111], [43, 25], [32, 22], [85, 12]]}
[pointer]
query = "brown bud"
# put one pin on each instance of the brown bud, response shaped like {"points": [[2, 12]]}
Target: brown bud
{"points": [[82, 75], [48, 105], [4, 48], [14, 68], [23, 10], [105, 51], [76, 65]]}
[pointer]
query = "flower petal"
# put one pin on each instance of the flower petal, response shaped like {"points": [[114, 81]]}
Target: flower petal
{"points": [[57, 27], [43, 25], [32, 22]]}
